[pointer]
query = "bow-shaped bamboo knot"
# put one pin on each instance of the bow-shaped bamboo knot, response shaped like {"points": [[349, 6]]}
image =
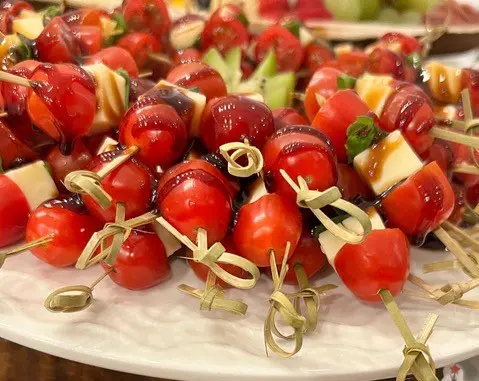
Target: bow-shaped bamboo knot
{"points": [[253, 155]]}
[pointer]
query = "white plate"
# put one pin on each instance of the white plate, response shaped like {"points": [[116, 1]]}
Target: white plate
{"points": [[161, 332]]}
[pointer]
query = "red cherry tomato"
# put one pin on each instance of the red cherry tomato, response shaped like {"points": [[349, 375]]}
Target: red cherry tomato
{"points": [[442, 153], [187, 56], [384, 61], [288, 49], [351, 185], [57, 43], [140, 45], [201, 270], [14, 211], [147, 16], [300, 151], [316, 56], [323, 84], [13, 151], [429, 199], [267, 225], [336, 115], [273, 9], [115, 58], [158, 131], [353, 63], [63, 102], [312, 10], [142, 262], [289, 116], [408, 44], [225, 30], [470, 80], [309, 254], [412, 114], [365, 270], [9, 10], [187, 195], [85, 17], [62, 165], [131, 183], [89, 38], [71, 228], [234, 118], [191, 75]]}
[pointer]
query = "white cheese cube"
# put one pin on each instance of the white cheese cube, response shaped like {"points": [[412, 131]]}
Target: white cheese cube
{"points": [[35, 182], [108, 144], [305, 36], [185, 36], [30, 27], [375, 91], [444, 82], [387, 163]]}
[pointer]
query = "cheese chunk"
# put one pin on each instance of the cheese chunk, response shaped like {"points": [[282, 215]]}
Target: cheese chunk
{"points": [[387, 163], [305, 36], [199, 101], [256, 190], [28, 24], [35, 182], [343, 48], [330, 244], [172, 245], [375, 91], [110, 96], [108, 144], [185, 36], [444, 82], [9, 41]]}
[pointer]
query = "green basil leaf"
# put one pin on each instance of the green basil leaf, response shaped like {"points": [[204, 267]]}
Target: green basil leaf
{"points": [[361, 135], [346, 82]]}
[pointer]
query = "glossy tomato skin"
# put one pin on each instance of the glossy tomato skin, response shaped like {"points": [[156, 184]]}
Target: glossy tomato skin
{"points": [[13, 150], [381, 261], [147, 16], [84, 17], [142, 262], [57, 43], [384, 61], [194, 194], [288, 116], [61, 165], [234, 118], [69, 224], [14, 211], [408, 110], [308, 253], [442, 153], [186, 56], [115, 58], [159, 132], [288, 49], [429, 199], [316, 56], [300, 151], [408, 44], [131, 183], [351, 185], [138, 87], [267, 225], [323, 84], [336, 115], [225, 30], [191, 75], [201, 270], [470, 80], [353, 63], [89, 38], [140, 45], [63, 102]]}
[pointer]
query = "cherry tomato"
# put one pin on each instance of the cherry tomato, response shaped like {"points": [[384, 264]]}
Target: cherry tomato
{"points": [[9, 10], [266, 225], [288, 116], [187, 56], [273, 9], [316, 55], [336, 115], [187, 195], [142, 262], [353, 63], [159, 132], [208, 81], [472, 194], [115, 58], [470, 80], [384, 61], [234, 118], [225, 30], [365, 270], [459, 205], [147, 16], [408, 44], [89, 38], [57, 43], [13, 151], [69, 224], [312, 10], [300, 151], [63, 102], [131, 183], [323, 84], [429, 199], [288, 49], [201, 270], [442, 153], [351, 185], [85, 17], [413, 115], [62, 165], [140, 45]]}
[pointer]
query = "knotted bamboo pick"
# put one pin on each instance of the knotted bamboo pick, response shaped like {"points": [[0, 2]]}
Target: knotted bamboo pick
{"points": [[19, 249], [447, 294], [90, 182], [417, 357], [315, 200], [253, 155]]}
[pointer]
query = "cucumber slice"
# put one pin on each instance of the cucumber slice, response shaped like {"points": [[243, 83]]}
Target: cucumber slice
{"points": [[278, 90], [214, 59], [267, 67], [233, 63]]}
